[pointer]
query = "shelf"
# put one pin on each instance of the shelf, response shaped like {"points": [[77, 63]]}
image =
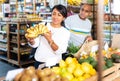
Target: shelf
{"points": [[14, 33], [21, 52], [3, 49], [13, 61], [3, 32], [112, 22], [12, 3], [46, 20], [15, 42], [3, 57], [15, 38], [20, 3], [21, 62], [48, 13], [4, 41]]}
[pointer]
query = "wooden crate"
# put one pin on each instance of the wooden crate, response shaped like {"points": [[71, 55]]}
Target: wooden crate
{"points": [[108, 75]]}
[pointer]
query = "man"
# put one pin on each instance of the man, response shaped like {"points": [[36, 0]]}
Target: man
{"points": [[79, 25]]}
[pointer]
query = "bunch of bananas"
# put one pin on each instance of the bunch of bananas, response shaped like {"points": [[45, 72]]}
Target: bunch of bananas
{"points": [[33, 17], [105, 2], [74, 2], [33, 32], [2, 1]]}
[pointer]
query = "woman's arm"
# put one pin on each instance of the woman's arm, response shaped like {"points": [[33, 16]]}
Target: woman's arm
{"points": [[48, 36]]}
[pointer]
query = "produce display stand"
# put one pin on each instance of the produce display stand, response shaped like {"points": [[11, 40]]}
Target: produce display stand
{"points": [[111, 74]]}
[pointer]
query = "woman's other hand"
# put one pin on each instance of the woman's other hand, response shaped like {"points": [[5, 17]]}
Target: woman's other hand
{"points": [[31, 41]]}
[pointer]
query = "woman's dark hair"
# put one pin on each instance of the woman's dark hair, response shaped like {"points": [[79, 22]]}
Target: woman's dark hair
{"points": [[63, 10]]}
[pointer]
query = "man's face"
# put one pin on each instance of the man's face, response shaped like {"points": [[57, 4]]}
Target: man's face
{"points": [[85, 11]]}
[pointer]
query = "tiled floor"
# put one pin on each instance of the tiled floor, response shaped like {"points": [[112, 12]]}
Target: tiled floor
{"points": [[5, 67]]}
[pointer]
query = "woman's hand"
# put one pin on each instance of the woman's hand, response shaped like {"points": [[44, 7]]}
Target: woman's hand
{"points": [[48, 36], [31, 41]]}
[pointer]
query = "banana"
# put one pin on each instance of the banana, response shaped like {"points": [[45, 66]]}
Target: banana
{"points": [[29, 35], [74, 2], [44, 30], [40, 28], [33, 32]]}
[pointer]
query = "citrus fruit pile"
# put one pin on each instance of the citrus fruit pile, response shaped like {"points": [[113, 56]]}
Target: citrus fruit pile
{"points": [[73, 70]]}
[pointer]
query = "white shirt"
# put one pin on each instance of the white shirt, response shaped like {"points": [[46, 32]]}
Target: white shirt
{"points": [[79, 29], [44, 52]]}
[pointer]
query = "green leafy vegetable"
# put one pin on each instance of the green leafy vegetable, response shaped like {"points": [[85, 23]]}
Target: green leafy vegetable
{"points": [[72, 48]]}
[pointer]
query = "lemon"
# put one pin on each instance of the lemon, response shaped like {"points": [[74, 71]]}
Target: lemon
{"points": [[75, 79], [68, 75], [92, 72], [72, 65], [81, 78], [86, 75], [78, 72], [75, 60], [62, 63], [56, 69], [110, 49], [104, 52], [63, 70], [69, 60], [86, 67], [78, 65], [70, 69]]}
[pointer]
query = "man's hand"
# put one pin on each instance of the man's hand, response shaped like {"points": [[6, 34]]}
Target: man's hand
{"points": [[89, 38]]}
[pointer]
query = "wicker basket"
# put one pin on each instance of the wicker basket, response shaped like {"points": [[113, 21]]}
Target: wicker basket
{"points": [[86, 47]]}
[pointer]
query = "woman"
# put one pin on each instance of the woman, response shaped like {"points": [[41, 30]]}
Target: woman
{"points": [[51, 45]]}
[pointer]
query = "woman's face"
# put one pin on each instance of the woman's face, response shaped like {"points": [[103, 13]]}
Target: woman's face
{"points": [[57, 17]]}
